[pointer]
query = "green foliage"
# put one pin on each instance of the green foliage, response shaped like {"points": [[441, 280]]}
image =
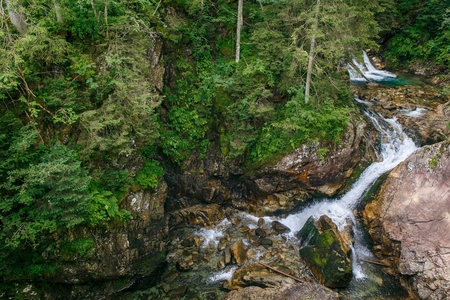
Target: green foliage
{"points": [[43, 189], [416, 31], [113, 179], [150, 174], [104, 208], [81, 246], [300, 123]]}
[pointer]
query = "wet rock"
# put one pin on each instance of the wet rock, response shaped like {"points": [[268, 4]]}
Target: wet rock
{"points": [[261, 222], [280, 228], [266, 243], [255, 240], [227, 256], [251, 253], [255, 274], [236, 221], [221, 264], [223, 243], [185, 265], [178, 292], [261, 232], [325, 252], [297, 291], [244, 229], [202, 215], [239, 252], [409, 221]]}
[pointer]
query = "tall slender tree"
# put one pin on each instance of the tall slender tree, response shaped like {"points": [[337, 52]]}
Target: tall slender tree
{"points": [[238, 31], [311, 52]]}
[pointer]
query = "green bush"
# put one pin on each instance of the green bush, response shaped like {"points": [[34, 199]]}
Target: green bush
{"points": [[104, 208], [150, 174]]}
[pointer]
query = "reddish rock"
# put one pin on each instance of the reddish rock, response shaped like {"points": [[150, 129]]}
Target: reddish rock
{"points": [[409, 221]]}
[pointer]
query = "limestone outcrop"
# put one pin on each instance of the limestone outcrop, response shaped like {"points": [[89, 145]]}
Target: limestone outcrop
{"points": [[409, 221]]}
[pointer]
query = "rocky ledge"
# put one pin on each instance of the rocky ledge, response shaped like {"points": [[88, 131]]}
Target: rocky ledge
{"points": [[409, 221], [423, 112]]}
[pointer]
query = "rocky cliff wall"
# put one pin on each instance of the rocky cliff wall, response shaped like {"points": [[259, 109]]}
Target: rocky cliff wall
{"points": [[410, 222]]}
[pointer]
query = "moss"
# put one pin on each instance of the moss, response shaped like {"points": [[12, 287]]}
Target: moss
{"points": [[327, 239], [149, 265], [432, 164], [372, 192]]}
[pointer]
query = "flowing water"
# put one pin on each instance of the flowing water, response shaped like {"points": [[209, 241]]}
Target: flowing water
{"points": [[369, 281], [381, 77]]}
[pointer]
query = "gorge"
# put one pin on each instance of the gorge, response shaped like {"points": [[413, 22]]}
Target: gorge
{"points": [[224, 149]]}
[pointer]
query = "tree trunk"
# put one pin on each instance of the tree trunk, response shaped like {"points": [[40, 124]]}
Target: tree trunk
{"points": [[311, 53], [17, 18], [238, 31], [59, 18]]}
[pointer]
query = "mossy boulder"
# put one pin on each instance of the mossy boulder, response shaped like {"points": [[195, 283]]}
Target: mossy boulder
{"points": [[326, 251]]}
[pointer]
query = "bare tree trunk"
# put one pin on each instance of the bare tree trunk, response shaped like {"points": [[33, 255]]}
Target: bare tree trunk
{"points": [[239, 28], [106, 17], [59, 18], [17, 18], [96, 14], [311, 53]]}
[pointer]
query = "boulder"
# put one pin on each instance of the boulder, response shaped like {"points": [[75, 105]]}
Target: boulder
{"points": [[280, 228], [296, 291], [255, 274], [326, 251], [239, 252], [409, 221]]}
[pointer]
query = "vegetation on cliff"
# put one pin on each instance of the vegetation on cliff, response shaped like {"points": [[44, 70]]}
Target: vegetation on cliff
{"points": [[78, 105]]}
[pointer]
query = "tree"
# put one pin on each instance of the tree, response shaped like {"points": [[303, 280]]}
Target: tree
{"points": [[311, 53], [16, 16], [42, 190], [238, 30]]}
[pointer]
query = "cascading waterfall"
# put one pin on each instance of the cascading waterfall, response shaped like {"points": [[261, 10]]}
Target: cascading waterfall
{"points": [[368, 70], [396, 147]]}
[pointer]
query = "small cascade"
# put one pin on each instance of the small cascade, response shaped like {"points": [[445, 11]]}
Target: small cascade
{"points": [[368, 70], [396, 147]]}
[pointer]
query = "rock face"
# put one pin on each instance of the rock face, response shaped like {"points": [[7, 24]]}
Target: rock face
{"points": [[409, 221], [326, 252], [297, 291], [277, 188], [119, 252]]}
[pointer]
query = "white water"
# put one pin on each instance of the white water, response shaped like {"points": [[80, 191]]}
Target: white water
{"points": [[396, 147], [417, 113], [368, 70]]}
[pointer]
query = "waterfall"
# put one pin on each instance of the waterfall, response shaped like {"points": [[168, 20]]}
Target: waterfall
{"points": [[396, 147], [368, 70]]}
